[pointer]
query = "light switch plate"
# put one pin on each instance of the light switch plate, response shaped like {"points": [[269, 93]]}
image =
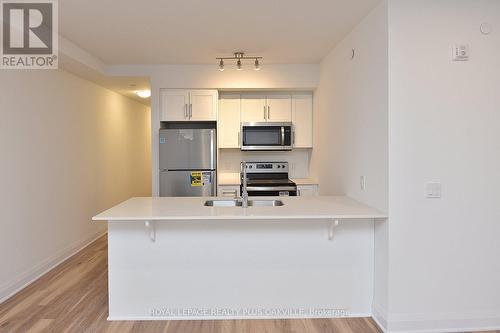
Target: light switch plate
{"points": [[433, 190], [460, 52]]}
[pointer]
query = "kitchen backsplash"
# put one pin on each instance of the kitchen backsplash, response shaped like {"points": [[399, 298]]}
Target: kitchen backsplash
{"points": [[298, 160]]}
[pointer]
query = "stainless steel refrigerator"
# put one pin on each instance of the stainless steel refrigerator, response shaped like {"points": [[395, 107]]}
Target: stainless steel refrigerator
{"points": [[188, 160]]}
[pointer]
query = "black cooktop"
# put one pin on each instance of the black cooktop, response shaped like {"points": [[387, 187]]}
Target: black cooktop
{"points": [[273, 182]]}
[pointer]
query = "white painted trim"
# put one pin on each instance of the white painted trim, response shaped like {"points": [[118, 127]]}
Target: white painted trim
{"points": [[150, 318], [9, 289], [380, 317], [442, 323], [457, 323]]}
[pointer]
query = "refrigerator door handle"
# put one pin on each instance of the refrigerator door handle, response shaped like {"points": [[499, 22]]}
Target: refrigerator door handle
{"points": [[212, 150]]}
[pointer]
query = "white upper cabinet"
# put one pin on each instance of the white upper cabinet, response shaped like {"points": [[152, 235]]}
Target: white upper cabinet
{"points": [[228, 125], [174, 104], [302, 118], [253, 108], [261, 108], [188, 105], [203, 104], [279, 108]]}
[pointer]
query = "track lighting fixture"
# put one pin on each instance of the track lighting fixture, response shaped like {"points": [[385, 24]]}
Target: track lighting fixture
{"points": [[239, 56]]}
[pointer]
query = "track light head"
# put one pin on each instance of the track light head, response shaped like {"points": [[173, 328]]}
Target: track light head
{"points": [[257, 65], [221, 65], [238, 65]]}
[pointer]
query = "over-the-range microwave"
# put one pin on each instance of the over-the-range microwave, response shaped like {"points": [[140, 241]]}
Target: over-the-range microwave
{"points": [[266, 136]]}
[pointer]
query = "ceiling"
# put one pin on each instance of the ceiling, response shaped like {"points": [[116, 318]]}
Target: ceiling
{"points": [[197, 31]]}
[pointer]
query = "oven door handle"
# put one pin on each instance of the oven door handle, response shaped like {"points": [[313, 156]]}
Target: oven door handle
{"points": [[271, 188]]}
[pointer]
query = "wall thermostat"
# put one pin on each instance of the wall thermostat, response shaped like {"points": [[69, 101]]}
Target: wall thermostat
{"points": [[460, 52]]}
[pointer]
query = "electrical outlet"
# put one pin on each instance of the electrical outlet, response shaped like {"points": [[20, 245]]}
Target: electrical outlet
{"points": [[362, 182]]}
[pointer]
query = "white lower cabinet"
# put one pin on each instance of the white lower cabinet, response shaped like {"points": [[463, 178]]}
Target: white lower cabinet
{"points": [[307, 190], [228, 191]]}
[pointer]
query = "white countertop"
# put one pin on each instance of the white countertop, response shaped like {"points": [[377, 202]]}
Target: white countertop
{"points": [[233, 179], [192, 208]]}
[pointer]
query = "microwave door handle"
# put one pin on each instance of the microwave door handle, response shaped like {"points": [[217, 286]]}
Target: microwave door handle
{"points": [[282, 135]]}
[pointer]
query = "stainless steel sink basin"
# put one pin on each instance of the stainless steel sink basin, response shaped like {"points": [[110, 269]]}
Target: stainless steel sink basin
{"points": [[265, 203], [222, 203], [237, 203]]}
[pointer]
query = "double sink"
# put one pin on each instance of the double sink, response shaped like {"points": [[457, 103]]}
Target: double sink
{"points": [[239, 203]]}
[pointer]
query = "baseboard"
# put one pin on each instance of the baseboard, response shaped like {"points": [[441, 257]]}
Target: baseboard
{"points": [[445, 323], [379, 316], [12, 287]]}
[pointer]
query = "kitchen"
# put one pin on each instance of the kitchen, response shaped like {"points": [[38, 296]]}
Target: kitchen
{"points": [[281, 136], [225, 166], [264, 140]]}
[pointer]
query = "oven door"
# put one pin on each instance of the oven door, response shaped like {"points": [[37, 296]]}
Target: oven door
{"points": [[271, 191], [266, 136]]}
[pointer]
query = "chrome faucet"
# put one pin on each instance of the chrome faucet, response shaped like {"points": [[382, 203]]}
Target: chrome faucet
{"points": [[244, 192]]}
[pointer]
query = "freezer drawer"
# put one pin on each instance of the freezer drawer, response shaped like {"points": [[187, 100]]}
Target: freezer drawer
{"points": [[191, 183], [183, 149]]}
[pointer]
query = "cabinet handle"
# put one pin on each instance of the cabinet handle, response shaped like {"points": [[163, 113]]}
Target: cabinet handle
{"points": [[298, 192], [190, 111], [293, 137], [265, 112], [185, 111], [268, 112]]}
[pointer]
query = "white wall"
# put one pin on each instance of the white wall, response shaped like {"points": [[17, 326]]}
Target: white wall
{"points": [[351, 129], [272, 76], [350, 121], [70, 149], [444, 126]]}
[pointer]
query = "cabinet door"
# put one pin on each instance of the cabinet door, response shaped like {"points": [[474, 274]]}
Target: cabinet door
{"points": [[307, 190], [302, 118], [228, 191], [174, 105], [229, 121], [253, 108], [279, 108], [203, 104]]}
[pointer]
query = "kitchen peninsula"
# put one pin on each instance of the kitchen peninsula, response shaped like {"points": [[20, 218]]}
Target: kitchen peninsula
{"points": [[190, 258]]}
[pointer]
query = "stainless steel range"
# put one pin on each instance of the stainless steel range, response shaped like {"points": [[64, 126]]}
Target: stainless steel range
{"points": [[268, 179]]}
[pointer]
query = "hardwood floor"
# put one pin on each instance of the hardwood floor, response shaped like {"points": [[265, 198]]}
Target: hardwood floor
{"points": [[73, 298]]}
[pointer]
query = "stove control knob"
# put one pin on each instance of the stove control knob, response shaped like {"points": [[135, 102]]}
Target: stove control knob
{"points": [[279, 166]]}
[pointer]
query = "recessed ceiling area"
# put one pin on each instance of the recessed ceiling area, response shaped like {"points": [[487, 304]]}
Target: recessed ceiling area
{"points": [[197, 31]]}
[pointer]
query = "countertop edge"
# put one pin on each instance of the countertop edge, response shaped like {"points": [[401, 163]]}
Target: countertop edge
{"points": [[260, 217]]}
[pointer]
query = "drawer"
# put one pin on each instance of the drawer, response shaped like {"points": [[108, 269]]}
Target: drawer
{"points": [[231, 191]]}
